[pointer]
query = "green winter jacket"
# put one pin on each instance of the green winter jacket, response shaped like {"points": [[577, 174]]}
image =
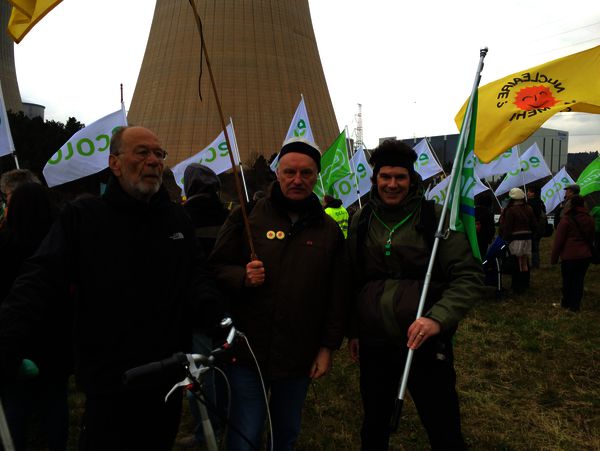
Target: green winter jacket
{"points": [[388, 288]]}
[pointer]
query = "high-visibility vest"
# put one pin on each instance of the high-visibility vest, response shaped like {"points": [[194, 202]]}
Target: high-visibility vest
{"points": [[339, 215]]}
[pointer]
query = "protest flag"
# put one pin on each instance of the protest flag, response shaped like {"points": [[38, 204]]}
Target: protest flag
{"points": [[25, 14], [513, 107], [589, 180], [299, 128], [426, 164], [532, 167], [6, 143], [463, 219], [553, 192], [86, 152], [334, 166]]}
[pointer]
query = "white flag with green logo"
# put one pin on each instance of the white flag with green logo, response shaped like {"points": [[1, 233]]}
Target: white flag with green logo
{"points": [[215, 156], [508, 161], [86, 153], [532, 167], [299, 128], [426, 164], [356, 184], [553, 192]]}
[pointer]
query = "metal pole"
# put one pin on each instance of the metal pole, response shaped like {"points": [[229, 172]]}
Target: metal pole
{"points": [[7, 442], [352, 168], [237, 152], [455, 170]]}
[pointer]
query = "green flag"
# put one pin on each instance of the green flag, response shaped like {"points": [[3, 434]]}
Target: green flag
{"points": [[461, 189], [589, 180], [334, 166]]}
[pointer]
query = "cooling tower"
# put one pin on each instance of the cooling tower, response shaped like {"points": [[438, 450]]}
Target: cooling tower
{"points": [[8, 73], [263, 55]]}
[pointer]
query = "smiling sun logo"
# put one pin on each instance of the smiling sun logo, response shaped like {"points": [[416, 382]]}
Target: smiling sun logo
{"points": [[535, 97]]}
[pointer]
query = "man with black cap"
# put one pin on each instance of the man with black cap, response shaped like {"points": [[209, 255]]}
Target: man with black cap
{"points": [[288, 300], [389, 243]]}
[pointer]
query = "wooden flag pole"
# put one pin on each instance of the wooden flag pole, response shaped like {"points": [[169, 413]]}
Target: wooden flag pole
{"points": [[238, 186]]}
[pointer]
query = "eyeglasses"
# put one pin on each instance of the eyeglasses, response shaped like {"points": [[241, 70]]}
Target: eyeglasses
{"points": [[142, 153]]}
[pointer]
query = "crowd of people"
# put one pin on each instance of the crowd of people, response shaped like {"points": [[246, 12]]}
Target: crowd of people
{"points": [[113, 282]]}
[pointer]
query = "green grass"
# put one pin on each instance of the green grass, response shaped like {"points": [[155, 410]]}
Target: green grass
{"points": [[528, 378]]}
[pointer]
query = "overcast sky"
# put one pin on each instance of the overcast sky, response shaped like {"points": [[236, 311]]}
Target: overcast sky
{"points": [[409, 63]]}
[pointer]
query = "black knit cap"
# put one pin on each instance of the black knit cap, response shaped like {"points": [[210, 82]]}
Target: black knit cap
{"points": [[300, 145], [392, 152]]}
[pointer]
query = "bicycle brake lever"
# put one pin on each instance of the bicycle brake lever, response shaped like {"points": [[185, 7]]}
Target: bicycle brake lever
{"points": [[183, 383]]}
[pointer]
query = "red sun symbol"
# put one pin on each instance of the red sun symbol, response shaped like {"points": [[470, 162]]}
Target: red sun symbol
{"points": [[535, 97]]}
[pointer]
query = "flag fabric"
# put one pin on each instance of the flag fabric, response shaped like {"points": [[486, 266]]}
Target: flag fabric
{"points": [[334, 166], [503, 163], [513, 107], [532, 167], [25, 14], [6, 143], [86, 153], [553, 192], [215, 156], [426, 164], [355, 184], [589, 180], [299, 128], [439, 192], [461, 186]]}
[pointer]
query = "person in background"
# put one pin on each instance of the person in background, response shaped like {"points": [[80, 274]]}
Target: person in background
{"points": [[484, 221], [539, 211], [207, 212], [570, 191], [573, 244], [335, 209], [9, 181], [517, 227], [29, 219]]}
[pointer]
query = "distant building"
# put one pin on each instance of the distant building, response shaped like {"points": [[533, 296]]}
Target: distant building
{"points": [[8, 73], [554, 145], [33, 110]]}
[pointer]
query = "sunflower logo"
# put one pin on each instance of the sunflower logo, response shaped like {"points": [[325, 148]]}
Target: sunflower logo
{"points": [[535, 97]]}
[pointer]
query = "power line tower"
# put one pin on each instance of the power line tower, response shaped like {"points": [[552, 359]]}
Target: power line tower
{"points": [[358, 131]]}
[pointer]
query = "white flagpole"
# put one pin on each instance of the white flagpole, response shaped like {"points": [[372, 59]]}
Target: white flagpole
{"points": [[123, 106], [495, 197], [352, 168], [237, 152], [522, 174], [11, 145], [438, 234]]}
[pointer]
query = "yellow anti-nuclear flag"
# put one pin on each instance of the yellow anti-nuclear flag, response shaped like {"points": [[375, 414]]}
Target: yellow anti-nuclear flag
{"points": [[515, 106], [25, 14]]}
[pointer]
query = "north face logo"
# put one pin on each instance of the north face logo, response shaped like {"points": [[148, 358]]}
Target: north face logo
{"points": [[177, 236]]}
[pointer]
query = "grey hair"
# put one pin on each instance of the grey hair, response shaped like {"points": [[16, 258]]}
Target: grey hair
{"points": [[12, 179], [117, 139]]}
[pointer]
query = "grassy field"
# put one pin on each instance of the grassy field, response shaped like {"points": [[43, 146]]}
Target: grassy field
{"points": [[528, 378]]}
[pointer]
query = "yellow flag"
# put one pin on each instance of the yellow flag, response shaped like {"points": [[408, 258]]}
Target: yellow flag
{"points": [[515, 106], [25, 14]]}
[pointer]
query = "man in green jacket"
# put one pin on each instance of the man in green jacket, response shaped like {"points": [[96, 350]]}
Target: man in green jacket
{"points": [[389, 243]]}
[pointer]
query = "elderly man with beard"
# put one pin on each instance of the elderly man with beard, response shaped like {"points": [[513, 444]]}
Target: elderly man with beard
{"points": [[390, 241], [137, 281], [289, 300]]}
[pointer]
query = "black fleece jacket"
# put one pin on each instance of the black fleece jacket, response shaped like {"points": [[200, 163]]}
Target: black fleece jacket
{"points": [[140, 286]]}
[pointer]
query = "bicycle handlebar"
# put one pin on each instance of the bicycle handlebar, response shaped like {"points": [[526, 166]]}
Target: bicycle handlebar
{"points": [[180, 358]]}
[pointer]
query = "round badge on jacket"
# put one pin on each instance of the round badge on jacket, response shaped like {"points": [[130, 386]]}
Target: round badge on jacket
{"points": [[280, 235], [270, 234]]}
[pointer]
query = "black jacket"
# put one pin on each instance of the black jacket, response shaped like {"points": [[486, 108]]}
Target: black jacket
{"points": [[139, 284]]}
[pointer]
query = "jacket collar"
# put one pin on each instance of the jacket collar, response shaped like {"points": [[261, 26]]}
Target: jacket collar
{"points": [[117, 196]]}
